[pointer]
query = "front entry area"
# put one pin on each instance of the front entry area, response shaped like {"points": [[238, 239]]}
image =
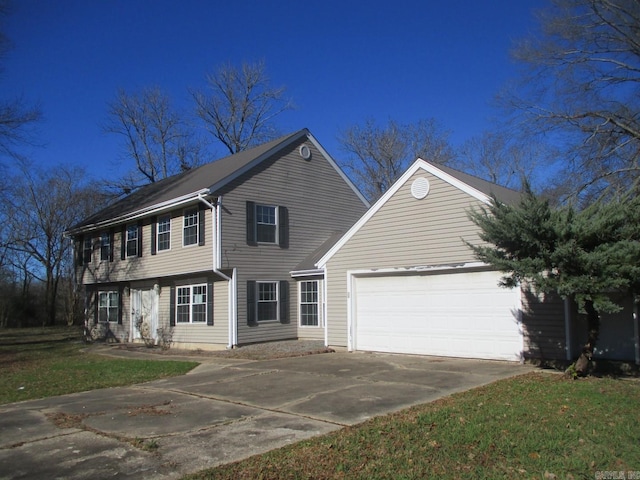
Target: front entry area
{"points": [[462, 314], [144, 314]]}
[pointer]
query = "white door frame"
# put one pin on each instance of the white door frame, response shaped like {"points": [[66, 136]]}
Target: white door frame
{"points": [[144, 301]]}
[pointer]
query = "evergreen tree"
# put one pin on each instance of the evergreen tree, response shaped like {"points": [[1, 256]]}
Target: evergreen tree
{"points": [[584, 255]]}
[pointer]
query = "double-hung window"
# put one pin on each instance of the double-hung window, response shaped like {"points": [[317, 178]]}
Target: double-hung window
{"points": [[87, 250], [267, 300], [105, 246], [309, 303], [190, 227], [132, 240], [108, 304], [164, 233], [266, 224], [191, 304]]}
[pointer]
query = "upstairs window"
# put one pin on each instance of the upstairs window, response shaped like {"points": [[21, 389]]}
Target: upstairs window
{"points": [[190, 228], [267, 224], [164, 233], [87, 250], [105, 246], [132, 240]]}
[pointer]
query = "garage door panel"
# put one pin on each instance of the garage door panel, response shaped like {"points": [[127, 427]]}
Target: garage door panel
{"points": [[463, 314]]}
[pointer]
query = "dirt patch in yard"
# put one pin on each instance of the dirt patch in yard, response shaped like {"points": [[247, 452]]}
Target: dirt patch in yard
{"points": [[256, 351]]}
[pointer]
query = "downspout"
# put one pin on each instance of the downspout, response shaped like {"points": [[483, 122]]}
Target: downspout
{"points": [[216, 262]]}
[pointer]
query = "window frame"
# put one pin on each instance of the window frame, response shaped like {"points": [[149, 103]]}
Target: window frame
{"points": [[87, 250], [161, 221], [191, 304], [275, 225], [132, 227], [276, 302], [109, 306], [191, 212], [105, 247], [302, 302]]}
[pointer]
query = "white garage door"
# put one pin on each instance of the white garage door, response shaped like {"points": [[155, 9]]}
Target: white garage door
{"points": [[455, 315]]}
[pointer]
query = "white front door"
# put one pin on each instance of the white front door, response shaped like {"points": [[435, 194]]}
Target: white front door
{"points": [[144, 313]]}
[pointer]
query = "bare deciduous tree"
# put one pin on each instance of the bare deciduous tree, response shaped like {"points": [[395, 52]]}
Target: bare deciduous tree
{"points": [[500, 158], [378, 156], [42, 204], [156, 137], [582, 90], [239, 105]]}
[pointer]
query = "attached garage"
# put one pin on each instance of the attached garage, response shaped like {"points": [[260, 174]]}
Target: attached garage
{"points": [[461, 314]]}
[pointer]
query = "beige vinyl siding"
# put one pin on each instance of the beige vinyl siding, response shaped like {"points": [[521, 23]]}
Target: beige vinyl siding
{"points": [[319, 202], [178, 260], [405, 232]]}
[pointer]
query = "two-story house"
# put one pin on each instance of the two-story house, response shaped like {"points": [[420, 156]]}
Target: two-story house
{"points": [[220, 253]]}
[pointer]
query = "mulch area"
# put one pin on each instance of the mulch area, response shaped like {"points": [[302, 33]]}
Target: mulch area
{"points": [[256, 351]]}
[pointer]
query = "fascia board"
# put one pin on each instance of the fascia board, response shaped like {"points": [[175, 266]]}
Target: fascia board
{"points": [[143, 212]]}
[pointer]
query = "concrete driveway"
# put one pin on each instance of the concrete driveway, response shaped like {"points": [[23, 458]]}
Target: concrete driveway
{"points": [[222, 411]]}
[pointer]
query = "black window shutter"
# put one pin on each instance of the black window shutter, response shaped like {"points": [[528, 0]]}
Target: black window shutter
{"points": [[251, 302], [154, 227], [120, 293], [251, 223], [140, 238], [201, 223], [172, 306], [80, 250], [210, 304], [123, 243], [283, 227], [112, 237], [284, 301]]}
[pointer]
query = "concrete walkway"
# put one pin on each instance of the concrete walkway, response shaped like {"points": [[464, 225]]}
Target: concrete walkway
{"points": [[224, 410]]}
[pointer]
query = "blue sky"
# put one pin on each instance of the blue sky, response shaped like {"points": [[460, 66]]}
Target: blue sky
{"points": [[341, 62]]}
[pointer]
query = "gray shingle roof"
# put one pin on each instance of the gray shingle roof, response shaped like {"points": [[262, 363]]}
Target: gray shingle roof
{"points": [[504, 194], [212, 176]]}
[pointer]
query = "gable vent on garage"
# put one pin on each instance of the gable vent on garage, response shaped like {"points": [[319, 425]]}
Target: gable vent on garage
{"points": [[420, 188]]}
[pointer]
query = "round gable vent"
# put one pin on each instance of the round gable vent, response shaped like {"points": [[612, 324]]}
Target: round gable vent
{"points": [[305, 152], [420, 188]]}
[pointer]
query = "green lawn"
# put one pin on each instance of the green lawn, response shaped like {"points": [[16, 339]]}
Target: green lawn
{"points": [[534, 426], [42, 362]]}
